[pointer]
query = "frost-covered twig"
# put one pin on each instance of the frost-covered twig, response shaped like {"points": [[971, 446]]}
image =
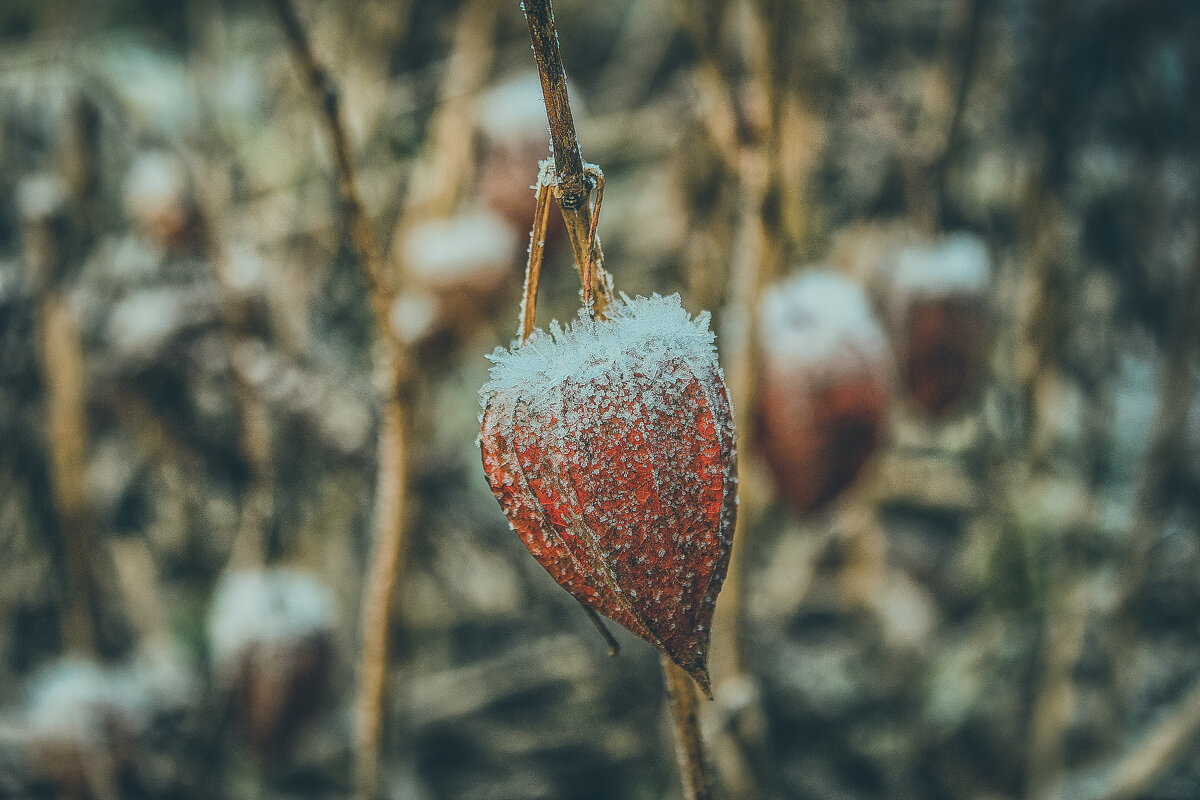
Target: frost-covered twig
{"points": [[571, 184], [391, 475]]}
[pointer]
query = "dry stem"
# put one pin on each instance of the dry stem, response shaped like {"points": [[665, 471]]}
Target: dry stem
{"points": [[571, 184], [689, 748], [537, 248], [441, 177], [380, 289], [391, 477], [753, 263], [62, 362]]}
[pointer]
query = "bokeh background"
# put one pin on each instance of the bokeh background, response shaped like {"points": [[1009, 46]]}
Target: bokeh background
{"points": [[1001, 603]]}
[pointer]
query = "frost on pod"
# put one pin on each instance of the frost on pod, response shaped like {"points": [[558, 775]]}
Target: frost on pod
{"points": [[78, 712], [823, 385], [271, 641], [937, 301], [455, 270], [514, 137], [610, 448], [159, 199]]}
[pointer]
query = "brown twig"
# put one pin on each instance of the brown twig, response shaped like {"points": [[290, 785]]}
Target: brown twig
{"points": [[689, 748], [754, 259], [537, 248], [940, 128], [380, 289], [966, 72], [571, 184], [391, 476], [49, 242], [62, 361], [441, 177]]}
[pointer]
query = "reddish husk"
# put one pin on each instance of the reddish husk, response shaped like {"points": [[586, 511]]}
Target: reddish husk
{"points": [[823, 386], [610, 448], [938, 300]]}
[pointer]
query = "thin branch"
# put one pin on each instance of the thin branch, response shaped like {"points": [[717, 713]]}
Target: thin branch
{"points": [[390, 503], [755, 255], [537, 249], [966, 72], [689, 748], [442, 176], [391, 477], [571, 185], [614, 647], [317, 80]]}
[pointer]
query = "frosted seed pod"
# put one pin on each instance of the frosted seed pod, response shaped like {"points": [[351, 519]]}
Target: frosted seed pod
{"points": [[823, 385], [78, 712], [643, 470], [937, 301], [271, 638], [456, 269], [514, 138]]}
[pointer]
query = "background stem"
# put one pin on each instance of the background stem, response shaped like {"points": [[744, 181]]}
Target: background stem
{"points": [[391, 474]]}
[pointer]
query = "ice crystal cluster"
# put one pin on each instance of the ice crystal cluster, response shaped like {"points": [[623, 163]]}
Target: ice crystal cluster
{"points": [[609, 445]]}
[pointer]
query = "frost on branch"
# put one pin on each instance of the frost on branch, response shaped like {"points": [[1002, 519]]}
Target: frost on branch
{"points": [[609, 445]]}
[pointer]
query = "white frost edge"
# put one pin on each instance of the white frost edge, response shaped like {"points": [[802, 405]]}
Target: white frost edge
{"points": [[441, 252], [957, 264], [70, 698], [651, 329], [513, 111]]}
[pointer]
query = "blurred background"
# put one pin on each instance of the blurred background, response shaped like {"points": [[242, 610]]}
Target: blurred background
{"points": [[950, 249]]}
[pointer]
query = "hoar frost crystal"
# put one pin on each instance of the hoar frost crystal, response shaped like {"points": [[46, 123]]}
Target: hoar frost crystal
{"points": [[610, 447]]}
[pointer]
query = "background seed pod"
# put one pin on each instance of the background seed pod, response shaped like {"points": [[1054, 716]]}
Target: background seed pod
{"points": [[939, 315], [271, 636], [513, 140], [456, 270], [823, 388]]}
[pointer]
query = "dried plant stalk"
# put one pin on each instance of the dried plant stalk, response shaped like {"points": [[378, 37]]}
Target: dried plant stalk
{"points": [[571, 184], [62, 362], [689, 747], [537, 249], [442, 176], [754, 262], [391, 476]]}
